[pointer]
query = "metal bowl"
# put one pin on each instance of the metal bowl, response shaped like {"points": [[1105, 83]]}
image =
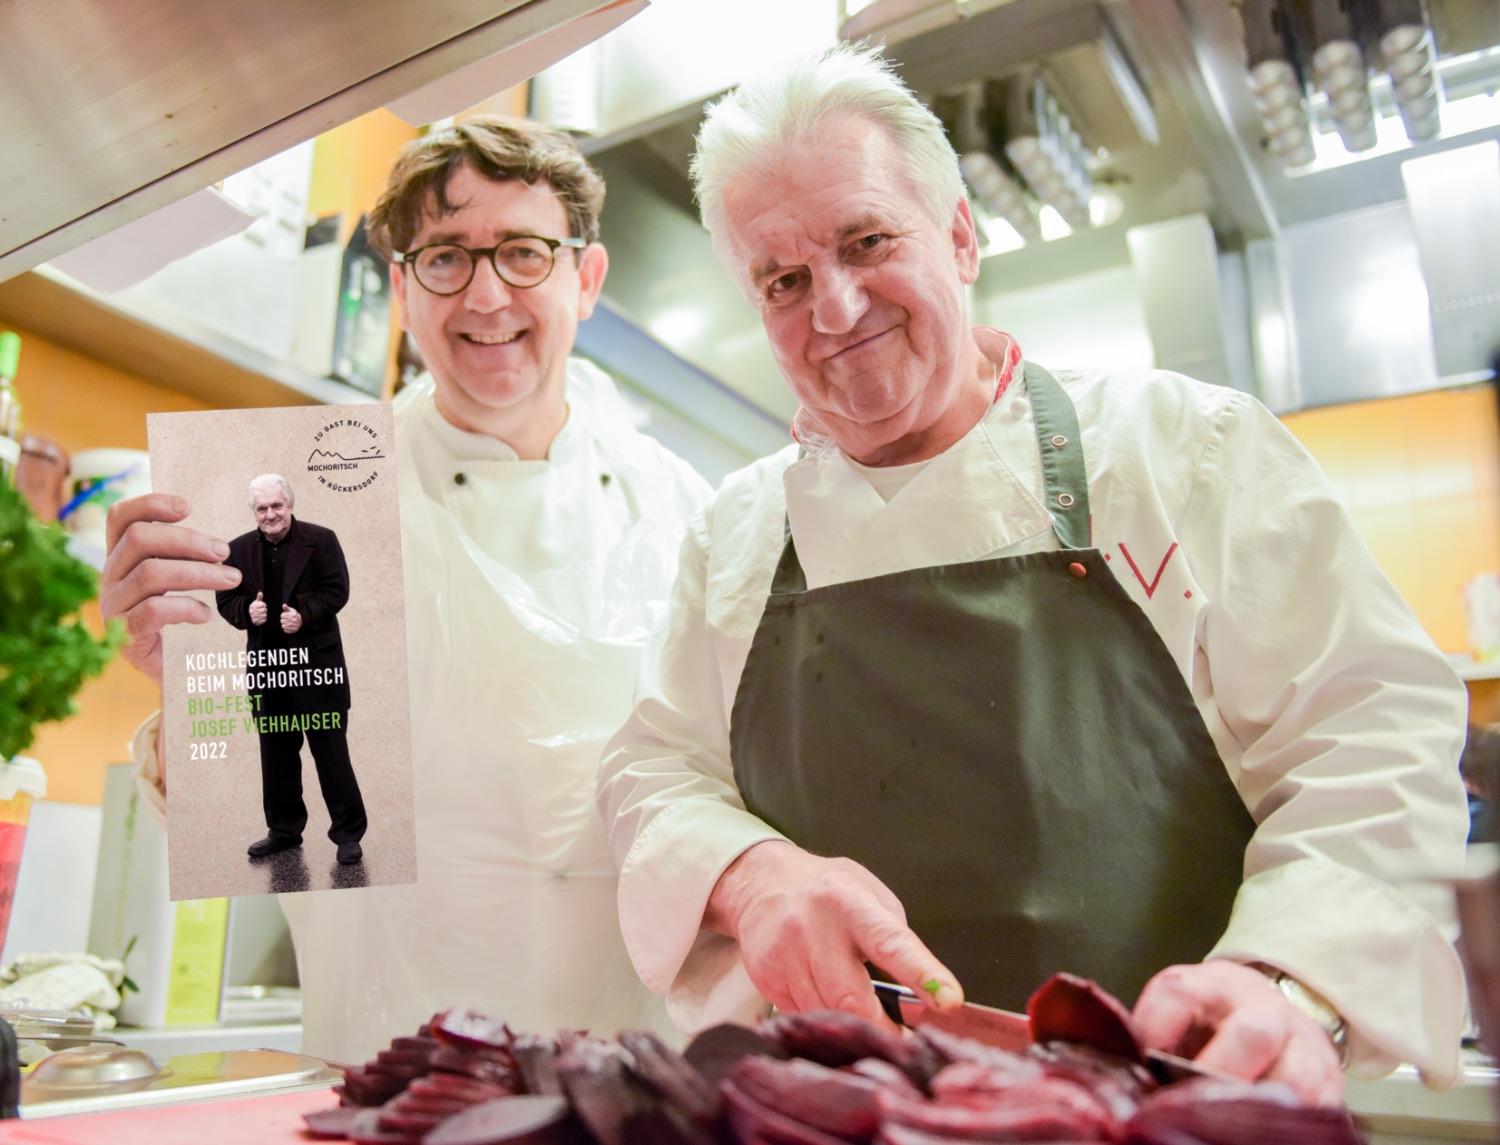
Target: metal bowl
{"points": [[93, 1069]]}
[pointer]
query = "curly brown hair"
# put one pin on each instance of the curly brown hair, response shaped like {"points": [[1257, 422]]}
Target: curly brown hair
{"points": [[497, 147]]}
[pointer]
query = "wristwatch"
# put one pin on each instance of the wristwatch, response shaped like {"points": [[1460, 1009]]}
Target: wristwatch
{"points": [[1315, 1006]]}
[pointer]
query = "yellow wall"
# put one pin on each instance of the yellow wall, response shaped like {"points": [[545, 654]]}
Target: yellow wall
{"points": [[1422, 476]]}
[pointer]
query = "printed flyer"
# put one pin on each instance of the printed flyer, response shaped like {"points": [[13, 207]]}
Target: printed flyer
{"points": [[285, 716]]}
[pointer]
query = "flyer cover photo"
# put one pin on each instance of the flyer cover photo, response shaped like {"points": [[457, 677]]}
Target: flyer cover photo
{"points": [[285, 717]]}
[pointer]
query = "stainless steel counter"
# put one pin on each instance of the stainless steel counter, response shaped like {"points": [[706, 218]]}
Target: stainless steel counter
{"points": [[1400, 1110]]}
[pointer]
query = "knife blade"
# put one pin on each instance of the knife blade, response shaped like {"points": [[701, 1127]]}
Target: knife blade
{"points": [[1007, 1030], [1000, 1028]]}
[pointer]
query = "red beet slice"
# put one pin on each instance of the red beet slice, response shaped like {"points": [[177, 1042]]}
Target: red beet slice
{"points": [[536, 1062], [714, 1052], [1068, 1008], [530, 1119], [469, 1090], [331, 1124], [365, 1130], [835, 1038], [752, 1120], [394, 1120], [461, 1027], [409, 1102], [669, 1074], [419, 1057], [885, 1075], [838, 1102], [1048, 1110], [1243, 1121], [603, 1092]]}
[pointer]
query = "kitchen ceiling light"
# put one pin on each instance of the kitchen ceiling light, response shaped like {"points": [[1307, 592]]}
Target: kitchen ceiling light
{"points": [[1395, 33], [1001, 197], [1045, 149], [1283, 114], [1276, 83], [1325, 30], [1409, 60], [1340, 73]]}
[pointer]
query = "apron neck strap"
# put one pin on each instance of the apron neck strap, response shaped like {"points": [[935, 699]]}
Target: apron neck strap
{"points": [[1065, 481], [1064, 476]]}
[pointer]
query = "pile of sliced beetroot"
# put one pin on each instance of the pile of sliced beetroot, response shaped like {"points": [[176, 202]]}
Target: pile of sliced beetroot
{"points": [[809, 1079]]}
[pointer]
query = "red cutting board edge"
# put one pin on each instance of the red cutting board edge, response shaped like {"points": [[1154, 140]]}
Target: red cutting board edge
{"points": [[271, 1119]]}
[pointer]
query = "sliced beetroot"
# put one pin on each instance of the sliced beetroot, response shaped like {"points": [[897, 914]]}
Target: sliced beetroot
{"points": [[394, 1119], [365, 1130], [837, 1102], [751, 1120], [402, 1071], [1067, 1008], [488, 1067], [667, 1072], [885, 1075], [606, 1097], [714, 1052], [985, 1081], [360, 1087], [892, 1133], [835, 1038], [409, 1102], [536, 1063], [420, 1042], [461, 1027], [331, 1124], [1120, 1084], [529, 1119], [1242, 1121], [455, 1085], [397, 1057], [1046, 1110]]}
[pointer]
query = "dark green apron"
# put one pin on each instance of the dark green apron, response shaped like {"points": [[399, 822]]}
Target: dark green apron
{"points": [[1007, 745]]}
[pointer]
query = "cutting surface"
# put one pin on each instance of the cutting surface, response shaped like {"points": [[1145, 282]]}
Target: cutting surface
{"points": [[275, 1119]]}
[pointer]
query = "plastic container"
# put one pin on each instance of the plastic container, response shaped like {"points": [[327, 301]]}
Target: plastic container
{"points": [[97, 478], [21, 780]]}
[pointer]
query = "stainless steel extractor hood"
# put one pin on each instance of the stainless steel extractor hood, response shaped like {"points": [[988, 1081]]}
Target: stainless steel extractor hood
{"points": [[110, 109]]}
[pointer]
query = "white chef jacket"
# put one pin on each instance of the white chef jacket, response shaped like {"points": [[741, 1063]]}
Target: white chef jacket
{"points": [[1337, 719], [531, 589]]}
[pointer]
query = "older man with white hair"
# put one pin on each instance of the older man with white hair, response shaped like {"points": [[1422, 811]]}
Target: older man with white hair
{"points": [[294, 580], [995, 673]]}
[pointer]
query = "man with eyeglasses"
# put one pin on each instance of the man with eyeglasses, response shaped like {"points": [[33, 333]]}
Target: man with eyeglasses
{"points": [[540, 535]]}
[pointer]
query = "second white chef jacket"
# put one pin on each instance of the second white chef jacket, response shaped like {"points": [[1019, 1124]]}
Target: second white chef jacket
{"points": [[1338, 720]]}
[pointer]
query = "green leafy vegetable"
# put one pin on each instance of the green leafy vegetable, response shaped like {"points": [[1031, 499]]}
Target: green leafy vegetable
{"points": [[46, 652]]}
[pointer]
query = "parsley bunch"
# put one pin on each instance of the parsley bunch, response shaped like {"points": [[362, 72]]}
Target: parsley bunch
{"points": [[46, 652]]}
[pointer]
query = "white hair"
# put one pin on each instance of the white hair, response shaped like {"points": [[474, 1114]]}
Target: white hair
{"points": [[265, 481], [746, 129]]}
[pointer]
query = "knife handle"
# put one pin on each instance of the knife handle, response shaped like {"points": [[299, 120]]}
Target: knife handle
{"points": [[891, 996]]}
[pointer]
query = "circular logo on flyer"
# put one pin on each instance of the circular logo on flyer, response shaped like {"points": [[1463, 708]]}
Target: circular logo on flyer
{"points": [[346, 456]]}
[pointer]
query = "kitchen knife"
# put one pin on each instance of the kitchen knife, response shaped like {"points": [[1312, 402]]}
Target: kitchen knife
{"points": [[1000, 1028], [1010, 1031]]}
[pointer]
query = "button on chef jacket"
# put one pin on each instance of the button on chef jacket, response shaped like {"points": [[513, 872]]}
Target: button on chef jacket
{"points": [[531, 588], [1338, 721]]}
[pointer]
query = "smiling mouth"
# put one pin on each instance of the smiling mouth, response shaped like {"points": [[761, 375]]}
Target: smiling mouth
{"points": [[491, 339], [865, 341]]}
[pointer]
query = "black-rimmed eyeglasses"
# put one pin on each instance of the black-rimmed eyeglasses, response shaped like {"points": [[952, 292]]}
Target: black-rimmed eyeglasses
{"points": [[523, 262]]}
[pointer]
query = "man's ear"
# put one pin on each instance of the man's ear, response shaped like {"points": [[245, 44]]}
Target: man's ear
{"points": [[398, 288], [965, 235], [593, 265]]}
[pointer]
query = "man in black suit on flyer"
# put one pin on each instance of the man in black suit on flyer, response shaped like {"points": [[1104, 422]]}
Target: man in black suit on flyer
{"points": [[294, 583]]}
